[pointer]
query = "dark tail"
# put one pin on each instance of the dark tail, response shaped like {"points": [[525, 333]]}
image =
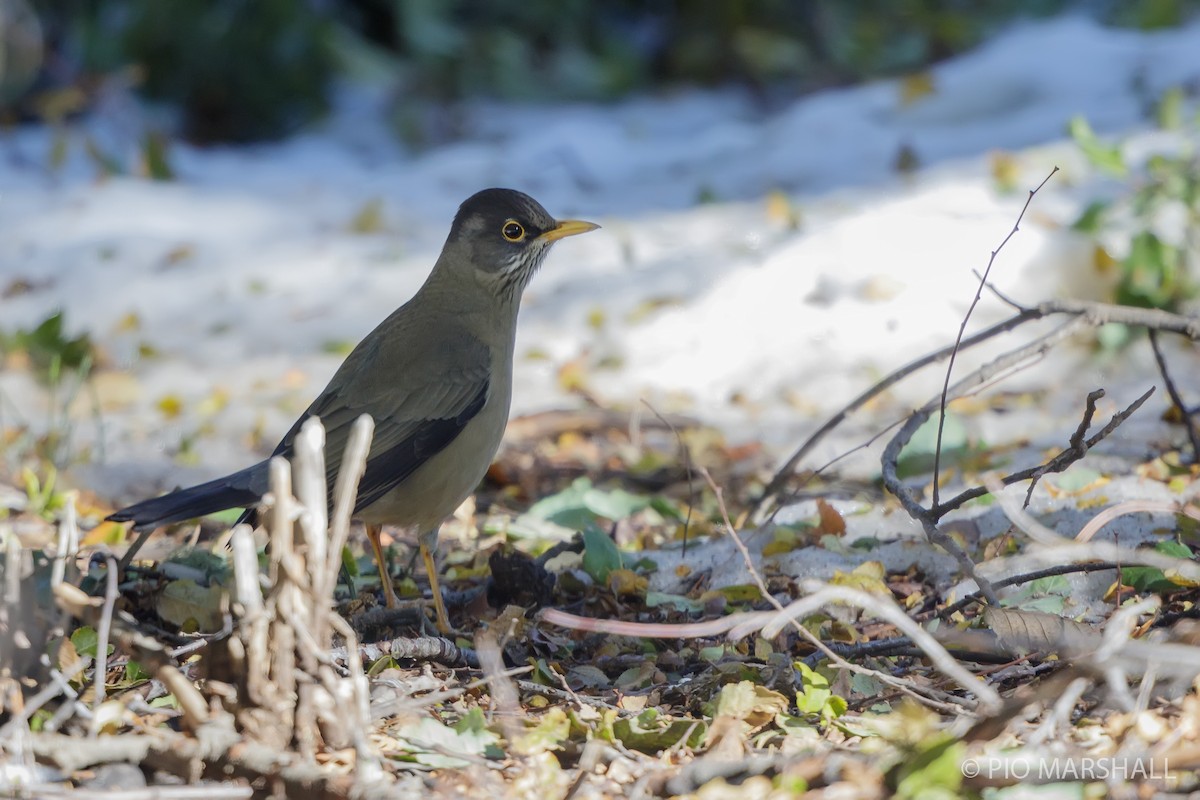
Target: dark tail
{"points": [[239, 490]]}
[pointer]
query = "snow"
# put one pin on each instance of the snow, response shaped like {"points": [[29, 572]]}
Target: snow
{"points": [[244, 272]]}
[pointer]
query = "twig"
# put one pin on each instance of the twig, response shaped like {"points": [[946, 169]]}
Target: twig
{"points": [[1096, 523], [217, 751], [885, 609], [350, 472], [1176, 398], [891, 454], [568, 696], [503, 691], [1076, 450], [1027, 577], [1084, 311], [102, 633], [781, 476], [1105, 551], [983, 279], [309, 486], [421, 649], [211, 791], [687, 463]]}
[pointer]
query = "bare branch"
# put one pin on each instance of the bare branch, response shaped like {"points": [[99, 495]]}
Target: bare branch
{"points": [[983, 279]]}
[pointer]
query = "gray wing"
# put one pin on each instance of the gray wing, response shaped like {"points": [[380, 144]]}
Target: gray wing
{"points": [[420, 399]]}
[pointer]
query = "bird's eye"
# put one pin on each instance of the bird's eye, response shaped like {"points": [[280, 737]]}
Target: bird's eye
{"points": [[513, 231]]}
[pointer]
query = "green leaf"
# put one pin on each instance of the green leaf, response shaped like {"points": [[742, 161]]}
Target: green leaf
{"points": [[433, 744], [676, 601], [600, 555], [747, 701], [566, 508], [1076, 478], [349, 564], [549, 733], [86, 641], [1092, 217], [1113, 336], [650, 733], [191, 607], [637, 677], [815, 695], [932, 773], [1150, 579], [155, 158], [1152, 275], [1106, 158], [1170, 109], [581, 504], [917, 456], [135, 673], [616, 504]]}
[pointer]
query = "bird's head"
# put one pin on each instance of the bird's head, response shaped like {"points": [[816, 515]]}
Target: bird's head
{"points": [[502, 236]]}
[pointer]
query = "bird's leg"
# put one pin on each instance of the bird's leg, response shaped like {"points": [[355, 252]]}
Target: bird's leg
{"points": [[132, 550], [428, 541], [385, 576]]}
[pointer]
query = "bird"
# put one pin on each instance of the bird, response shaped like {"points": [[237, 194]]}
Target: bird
{"points": [[435, 376]]}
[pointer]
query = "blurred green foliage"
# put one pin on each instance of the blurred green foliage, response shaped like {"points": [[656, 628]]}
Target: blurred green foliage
{"points": [[239, 70], [256, 69], [1155, 211]]}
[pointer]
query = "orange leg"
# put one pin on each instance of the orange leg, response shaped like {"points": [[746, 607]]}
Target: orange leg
{"points": [[385, 577], [428, 549]]}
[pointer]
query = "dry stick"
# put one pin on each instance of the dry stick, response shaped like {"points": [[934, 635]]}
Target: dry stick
{"points": [[804, 632], [504, 696], [881, 608], [1088, 312], [1096, 523], [210, 791], [781, 476], [1078, 449], [748, 621], [58, 685], [309, 464], [983, 279], [350, 472], [1117, 633], [102, 634], [1072, 551], [220, 752], [891, 454], [1160, 359], [687, 463], [245, 571], [1026, 577], [277, 677]]}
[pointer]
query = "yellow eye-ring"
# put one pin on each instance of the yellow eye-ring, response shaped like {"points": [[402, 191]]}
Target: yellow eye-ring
{"points": [[513, 231]]}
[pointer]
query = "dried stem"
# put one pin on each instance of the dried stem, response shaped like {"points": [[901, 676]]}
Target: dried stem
{"points": [[983, 279]]}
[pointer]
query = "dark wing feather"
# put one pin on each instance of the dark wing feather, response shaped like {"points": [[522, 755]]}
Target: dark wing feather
{"points": [[412, 422], [446, 383]]}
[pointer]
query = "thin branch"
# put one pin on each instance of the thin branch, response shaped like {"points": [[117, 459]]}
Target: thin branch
{"points": [[1087, 312], [1076, 450], [1176, 398], [1027, 577], [104, 629], [880, 608], [962, 329], [687, 463]]}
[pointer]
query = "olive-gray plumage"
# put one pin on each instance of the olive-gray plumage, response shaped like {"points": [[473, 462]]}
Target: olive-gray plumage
{"points": [[436, 377]]}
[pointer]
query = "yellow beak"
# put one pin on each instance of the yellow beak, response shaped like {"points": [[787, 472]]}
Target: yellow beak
{"points": [[568, 227]]}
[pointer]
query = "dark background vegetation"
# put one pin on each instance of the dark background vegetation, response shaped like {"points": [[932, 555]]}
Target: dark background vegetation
{"points": [[245, 70]]}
